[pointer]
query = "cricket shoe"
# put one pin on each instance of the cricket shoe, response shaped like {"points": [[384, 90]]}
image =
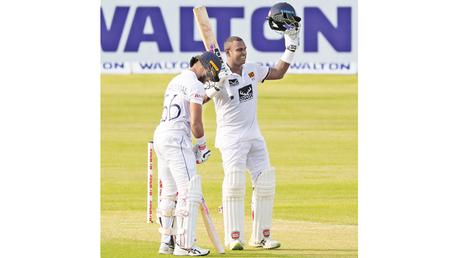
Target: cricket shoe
{"points": [[194, 251], [266, 243], [236, 245], [166, 248]]}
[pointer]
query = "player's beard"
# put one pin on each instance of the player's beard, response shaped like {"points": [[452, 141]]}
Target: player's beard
{"points": [[206, 76], [202, 78], [240, 61]]}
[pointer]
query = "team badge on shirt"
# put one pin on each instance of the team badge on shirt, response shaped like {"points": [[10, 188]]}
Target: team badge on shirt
{"points": [[245, 93], [252, 76]]}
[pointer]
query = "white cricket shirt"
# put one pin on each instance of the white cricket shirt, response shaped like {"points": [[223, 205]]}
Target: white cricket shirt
{"points": [[237, 118], [182, 90]]}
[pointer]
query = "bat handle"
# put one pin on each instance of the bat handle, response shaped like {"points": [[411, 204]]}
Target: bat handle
{"points": [[227, 85], [228, 90]]}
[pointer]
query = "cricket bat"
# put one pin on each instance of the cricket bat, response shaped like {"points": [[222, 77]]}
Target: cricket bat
{"points": [[209, 40], [210, 228], [211, 44]]}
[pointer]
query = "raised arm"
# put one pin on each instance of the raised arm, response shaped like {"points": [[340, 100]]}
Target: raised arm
{"points": [[278, 72], [292, 42]]}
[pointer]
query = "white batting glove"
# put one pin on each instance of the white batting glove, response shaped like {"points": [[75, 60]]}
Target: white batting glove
{"points": [[214, 87], [201, 152], [223, 80], [292, 39]]}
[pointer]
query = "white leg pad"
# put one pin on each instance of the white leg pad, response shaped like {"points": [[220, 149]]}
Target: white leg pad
{"points": [[233, 191], [165, 214], [186, 212], [262, 205]]}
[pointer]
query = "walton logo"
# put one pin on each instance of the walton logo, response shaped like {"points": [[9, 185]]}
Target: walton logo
{"points": [[130, 21], [245, 93]]}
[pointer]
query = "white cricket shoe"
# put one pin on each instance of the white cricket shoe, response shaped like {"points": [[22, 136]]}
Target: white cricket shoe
{"points": [[266, 243], [166, 248], [194, 251], [236, 245]]}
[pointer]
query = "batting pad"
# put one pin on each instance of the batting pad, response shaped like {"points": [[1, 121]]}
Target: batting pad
{"points": [[166, 212], [262, 205], [187, 211], [233, 204]]}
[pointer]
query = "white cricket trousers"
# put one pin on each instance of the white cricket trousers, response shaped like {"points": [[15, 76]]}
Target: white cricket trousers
{"points": [[176, 163], [252, 155]]}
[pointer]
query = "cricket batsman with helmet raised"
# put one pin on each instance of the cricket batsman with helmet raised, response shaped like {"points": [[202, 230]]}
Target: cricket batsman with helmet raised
{"points": [[238, 135], [181, 194]]}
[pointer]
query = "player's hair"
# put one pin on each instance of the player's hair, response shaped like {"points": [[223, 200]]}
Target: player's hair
{"points": [[230, 40], [194, 60]]}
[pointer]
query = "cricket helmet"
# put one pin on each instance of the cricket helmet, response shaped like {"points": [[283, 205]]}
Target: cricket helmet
{"points": [[211, 63], [282, 16]]}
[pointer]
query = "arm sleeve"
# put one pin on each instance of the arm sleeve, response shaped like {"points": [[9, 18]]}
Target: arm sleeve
{"points": [[196, 94], [262, 72]]}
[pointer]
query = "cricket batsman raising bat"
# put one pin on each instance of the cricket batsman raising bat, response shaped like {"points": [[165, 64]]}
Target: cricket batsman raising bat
{"points": [[238, 135]]}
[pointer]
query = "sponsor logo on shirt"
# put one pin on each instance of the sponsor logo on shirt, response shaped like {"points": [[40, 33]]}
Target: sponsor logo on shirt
{"points": [[197, 96], [233, 82], [245, 93]]}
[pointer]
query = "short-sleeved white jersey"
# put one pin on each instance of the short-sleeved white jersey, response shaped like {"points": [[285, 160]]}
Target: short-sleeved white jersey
{"points": [[182, 90], [237, 118]]}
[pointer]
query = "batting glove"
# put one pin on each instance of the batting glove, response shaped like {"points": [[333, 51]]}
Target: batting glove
{"points": [[201, 152], [292, 39], [213, 88]]}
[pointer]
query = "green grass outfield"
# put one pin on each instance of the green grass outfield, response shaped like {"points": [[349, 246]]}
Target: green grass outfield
{"points": [[310, 125]]}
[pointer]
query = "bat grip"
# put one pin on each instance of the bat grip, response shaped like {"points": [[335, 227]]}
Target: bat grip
{"points": [[226, 85], [228, 90]]}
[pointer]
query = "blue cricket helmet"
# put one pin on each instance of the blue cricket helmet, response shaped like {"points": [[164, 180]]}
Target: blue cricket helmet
{"points": [[282, 16], [211, 63]]}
